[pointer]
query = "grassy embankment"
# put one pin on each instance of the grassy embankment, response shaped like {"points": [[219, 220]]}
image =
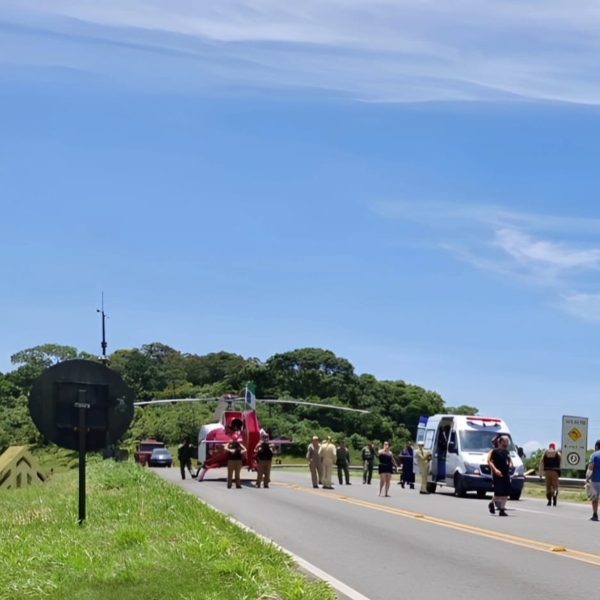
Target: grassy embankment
{"points": [[143, 538]]}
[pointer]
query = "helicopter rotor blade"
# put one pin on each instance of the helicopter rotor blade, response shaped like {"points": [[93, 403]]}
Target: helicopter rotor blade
{"points": [[174, 400], [304, 403]]}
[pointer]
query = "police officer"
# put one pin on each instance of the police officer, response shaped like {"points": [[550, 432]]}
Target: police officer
{"points": [[328, 455], [314, 462], [368, 456], [235, 449], [550, 468], [343, 463], [264, 456]]}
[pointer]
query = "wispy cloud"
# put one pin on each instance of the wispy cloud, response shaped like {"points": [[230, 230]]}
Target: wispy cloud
{"points": [[560, 253], [380, 50]]}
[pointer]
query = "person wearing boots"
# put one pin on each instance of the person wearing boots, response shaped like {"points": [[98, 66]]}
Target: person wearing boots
{"points": [[550, 468], [314, 462], [328, 455], [264, 458], [368, 457], [343, 463]]}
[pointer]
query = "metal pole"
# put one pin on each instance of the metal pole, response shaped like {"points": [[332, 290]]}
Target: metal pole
{"points": [[103, 344], [82, 406]]}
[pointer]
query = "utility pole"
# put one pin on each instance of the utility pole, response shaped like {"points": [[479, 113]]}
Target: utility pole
{"points": [[103, 344]]}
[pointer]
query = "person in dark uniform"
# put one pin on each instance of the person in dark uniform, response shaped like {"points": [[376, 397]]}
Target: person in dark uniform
{"points": [[184, 456], [368, 457], [235, 450], [386, 468], [264, 457], [550, 468], [407, 476], [500, 464], [343, 463]]}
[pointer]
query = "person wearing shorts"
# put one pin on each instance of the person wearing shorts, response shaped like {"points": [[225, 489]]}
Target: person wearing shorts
{"points": [[594, 480]]}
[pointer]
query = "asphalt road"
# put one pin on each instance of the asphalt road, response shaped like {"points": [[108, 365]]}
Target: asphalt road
{"points": [[426, 546]]}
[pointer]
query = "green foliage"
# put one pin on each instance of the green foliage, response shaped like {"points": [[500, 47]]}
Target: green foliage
{"points": [[158, 371]]}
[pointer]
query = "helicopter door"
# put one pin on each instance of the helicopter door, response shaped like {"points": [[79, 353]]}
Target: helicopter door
{"points": [[440, 450]]}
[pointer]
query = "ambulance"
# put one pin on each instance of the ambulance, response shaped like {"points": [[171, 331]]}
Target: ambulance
{"points": [[459, 446]]}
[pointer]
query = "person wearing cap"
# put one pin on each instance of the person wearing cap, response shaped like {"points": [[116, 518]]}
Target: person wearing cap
{"points": [[368, 456], [314, 462], [328, 455], [550, 468], [424, 462], [264, 457], [593, 478]]}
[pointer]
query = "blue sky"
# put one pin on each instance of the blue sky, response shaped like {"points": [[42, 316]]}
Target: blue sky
{"points": [[411, 185]]}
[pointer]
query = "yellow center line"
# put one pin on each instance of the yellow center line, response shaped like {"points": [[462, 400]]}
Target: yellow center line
{"points": [[555, 549]]}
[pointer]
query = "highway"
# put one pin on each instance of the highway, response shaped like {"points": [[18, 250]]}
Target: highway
{"points": [[412, 544]]}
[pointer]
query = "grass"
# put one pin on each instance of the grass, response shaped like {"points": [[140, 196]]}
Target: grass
{"points": [[538, 490], [143, 538]]}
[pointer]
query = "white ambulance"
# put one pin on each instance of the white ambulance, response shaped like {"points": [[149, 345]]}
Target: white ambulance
{"points": [[459, 446]]}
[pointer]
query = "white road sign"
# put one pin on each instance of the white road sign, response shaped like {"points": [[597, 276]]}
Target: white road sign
{"points": [[574, 442]]}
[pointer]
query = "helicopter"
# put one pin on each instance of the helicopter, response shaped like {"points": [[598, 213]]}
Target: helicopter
{"points": [[236, 421]]}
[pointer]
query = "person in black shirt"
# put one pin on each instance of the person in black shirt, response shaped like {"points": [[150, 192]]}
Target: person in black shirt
{"points": [[184, 455], [500, 464], [550, 468], [264, 457], [235, 450]]}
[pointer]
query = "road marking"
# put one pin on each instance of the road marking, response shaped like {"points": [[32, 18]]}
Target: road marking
{"points": [[554, 549]]}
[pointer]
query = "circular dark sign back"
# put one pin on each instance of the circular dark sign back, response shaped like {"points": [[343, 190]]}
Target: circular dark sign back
{"points": [[60, 394]]}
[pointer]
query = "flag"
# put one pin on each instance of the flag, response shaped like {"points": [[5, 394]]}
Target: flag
{"points": [[250, 395]]}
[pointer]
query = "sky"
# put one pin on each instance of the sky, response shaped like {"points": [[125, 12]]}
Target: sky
{"points": [[412, 185]]}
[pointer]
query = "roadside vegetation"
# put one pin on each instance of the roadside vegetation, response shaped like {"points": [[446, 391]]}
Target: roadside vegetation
{"points": [[143, 538]]}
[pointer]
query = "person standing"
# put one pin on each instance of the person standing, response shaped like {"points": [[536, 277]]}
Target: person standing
{"points": [[407, 476], [386, 468], [184, 456], [550, 468], [367, 455], [500, 464], [235, 450], [264, 458], [314, 462], [424, 464], [593, 478], [343, 463], [328, 454]]}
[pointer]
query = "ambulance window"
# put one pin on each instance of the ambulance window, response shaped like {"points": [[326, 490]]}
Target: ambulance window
{"points": [[429, 438]]}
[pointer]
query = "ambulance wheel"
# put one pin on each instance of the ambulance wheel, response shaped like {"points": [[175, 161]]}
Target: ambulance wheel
{"points": [[481, 494], [431, 487], [459, 485], [515, 496]]}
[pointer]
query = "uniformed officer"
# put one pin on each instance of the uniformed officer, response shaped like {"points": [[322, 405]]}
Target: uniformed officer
{"points": [[368, 456], [235, 450], [343, 463], [424, 462], [264, 456], [328, 455], [550, 468], [184, 456], [314, 462]]}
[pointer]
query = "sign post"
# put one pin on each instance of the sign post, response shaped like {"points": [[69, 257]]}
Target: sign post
{"points": [[574, 442]]}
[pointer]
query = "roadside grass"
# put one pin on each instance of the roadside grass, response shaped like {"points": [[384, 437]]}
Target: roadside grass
{"points": [[143, 538], [538, 490]]}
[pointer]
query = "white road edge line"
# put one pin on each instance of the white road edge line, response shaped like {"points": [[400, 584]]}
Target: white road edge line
{"points": [[336, 584]]}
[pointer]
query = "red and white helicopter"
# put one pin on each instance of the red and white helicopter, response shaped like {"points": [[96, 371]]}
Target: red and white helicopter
{"points": [[236, 421]]}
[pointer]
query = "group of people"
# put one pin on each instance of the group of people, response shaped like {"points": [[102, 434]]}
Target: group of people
{"points": [[322, 456], [263, 453]]}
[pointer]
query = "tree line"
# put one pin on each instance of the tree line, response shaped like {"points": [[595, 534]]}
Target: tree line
{"points": [[157, 371]]}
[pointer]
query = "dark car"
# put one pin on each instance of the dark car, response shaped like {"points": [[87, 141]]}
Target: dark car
{"points": [[160, 457]]}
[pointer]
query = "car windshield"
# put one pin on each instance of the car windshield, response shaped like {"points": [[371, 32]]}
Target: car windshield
{"points": [[480, 441], [160, 452]]}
